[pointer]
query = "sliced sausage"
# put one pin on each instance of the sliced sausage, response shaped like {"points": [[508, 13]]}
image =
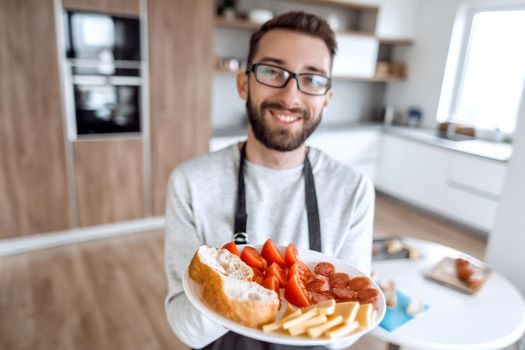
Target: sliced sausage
{"points": [[318, 285], [325, 269], [316, 298], [339, 279], [367, 295], [358, 283], [344, 294]]}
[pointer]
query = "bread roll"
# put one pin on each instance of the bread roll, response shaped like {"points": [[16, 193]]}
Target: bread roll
{"points": [[228, 289]]}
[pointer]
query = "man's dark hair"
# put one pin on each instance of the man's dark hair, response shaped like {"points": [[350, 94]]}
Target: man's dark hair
{"points": [[298, 22]]}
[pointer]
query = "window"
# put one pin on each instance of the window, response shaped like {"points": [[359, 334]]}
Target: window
{"points": [[490, 73]]}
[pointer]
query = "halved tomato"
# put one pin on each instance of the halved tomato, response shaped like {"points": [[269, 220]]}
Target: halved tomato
{"points": [[258, 275], [272, 283], [275, 270], [232, 248], [295, 292], [252, 258], [271, 253], [300, 269], [291, 255]]}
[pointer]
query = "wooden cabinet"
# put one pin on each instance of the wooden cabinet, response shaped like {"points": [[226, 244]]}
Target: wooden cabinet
{"points": [[462, 187], [115, 7], [109, 180], [33, 178], [180, 48]]}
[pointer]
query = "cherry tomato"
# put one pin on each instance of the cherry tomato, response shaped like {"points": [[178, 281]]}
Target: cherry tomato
{"points": [[291, 255], [253, 259], [295, 292], [300, 269], [275, 270], [271, 253], [232, 248]]}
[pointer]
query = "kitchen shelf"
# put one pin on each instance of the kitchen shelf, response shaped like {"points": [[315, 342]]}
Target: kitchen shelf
{"points": [[400, 42], [236, 23], [250, 25], [339, 4]]}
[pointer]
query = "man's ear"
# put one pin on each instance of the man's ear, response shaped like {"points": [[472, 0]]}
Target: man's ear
{"points": [[329, 95], [242, 85]]}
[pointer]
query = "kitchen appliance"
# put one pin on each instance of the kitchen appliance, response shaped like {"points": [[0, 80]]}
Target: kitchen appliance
{"points": [[103, 79]]}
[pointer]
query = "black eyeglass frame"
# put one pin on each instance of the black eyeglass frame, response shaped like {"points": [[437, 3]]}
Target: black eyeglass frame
{"points": [[292, 75]]}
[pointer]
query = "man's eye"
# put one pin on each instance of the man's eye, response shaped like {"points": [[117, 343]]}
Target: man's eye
{"points": [[315, 80], [271, 72]]}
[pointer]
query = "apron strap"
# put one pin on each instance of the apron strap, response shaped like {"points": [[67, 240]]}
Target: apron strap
{"points": [[312, 210]]}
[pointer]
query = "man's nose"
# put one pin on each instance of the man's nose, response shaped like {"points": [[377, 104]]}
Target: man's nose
{"points": [[290, 94]]}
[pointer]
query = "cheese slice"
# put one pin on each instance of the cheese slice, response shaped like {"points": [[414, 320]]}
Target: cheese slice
{"points": [[270, 327], [364, 315], [348, 310], [342, 330], [315, 332], [298, 320], [302, 327], [326, 307]]}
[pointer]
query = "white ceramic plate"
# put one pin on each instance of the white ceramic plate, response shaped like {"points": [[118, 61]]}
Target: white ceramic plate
{"points": [[193, 291]]}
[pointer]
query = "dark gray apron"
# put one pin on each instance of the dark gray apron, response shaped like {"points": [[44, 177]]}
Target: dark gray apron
{"points": [[236, 341]]}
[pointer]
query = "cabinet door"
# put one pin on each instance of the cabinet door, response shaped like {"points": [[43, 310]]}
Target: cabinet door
{"points": [[425, 174], [109, 180], [116, 7], [180, 48], [356, 56], [484, 176], [348, 147], [390, 167], [34, 194], [470, 209], [396, 19]]}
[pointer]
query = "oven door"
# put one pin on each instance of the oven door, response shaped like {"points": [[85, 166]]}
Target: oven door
{"points": [[106, 105]]}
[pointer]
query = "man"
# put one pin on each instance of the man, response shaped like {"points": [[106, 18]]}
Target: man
{"points": [[271, 186]]}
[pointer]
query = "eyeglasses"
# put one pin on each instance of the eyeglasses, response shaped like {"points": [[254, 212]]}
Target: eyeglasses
{"points": [[278, 77]]}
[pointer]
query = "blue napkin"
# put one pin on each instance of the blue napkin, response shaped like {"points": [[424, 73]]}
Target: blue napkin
{"points": [[396, 316]]}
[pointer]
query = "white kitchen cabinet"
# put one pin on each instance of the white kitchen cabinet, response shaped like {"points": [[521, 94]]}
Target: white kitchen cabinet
{"points": [[469, 208], [482, 176], [217, 143], [413, 171], [425, 174], [389, 168], [452, 184], [356, 56], [355, 148], [396, 18]]}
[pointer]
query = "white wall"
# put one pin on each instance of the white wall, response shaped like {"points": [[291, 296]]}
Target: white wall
{"points": [[506, 247], [425, 60]]}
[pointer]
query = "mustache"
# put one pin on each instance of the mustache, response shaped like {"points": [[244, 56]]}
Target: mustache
{"points": [[279, 106]]}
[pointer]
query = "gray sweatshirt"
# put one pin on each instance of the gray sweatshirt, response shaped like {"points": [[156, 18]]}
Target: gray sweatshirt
{"points": [[200, 209]]}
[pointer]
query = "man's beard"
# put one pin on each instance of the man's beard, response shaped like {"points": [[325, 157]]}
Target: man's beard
{"points": [[280, 139]]}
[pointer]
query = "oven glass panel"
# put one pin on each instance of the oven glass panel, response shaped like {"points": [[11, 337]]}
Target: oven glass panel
{"points": [[103, 109]]}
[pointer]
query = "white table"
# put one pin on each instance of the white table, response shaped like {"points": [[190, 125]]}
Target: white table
{"points": [[491, 319]]}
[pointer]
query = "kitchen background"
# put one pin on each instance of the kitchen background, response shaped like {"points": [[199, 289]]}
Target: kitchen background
{"points": [[101, 99]]}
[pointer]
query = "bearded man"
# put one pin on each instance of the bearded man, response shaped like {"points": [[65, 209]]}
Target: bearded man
{"points": [[272, 185]]}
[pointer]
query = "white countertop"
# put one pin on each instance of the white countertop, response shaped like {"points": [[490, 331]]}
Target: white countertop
{"points": [[498, 151]]}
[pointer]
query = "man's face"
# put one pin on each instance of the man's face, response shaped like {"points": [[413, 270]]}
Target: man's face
{"points": [[283, 118]]}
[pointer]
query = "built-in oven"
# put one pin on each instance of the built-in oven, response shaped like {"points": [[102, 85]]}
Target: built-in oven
{"points": [[103, 73]]}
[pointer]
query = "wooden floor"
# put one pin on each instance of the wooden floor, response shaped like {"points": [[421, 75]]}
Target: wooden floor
{"points": [[108, 294]]}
